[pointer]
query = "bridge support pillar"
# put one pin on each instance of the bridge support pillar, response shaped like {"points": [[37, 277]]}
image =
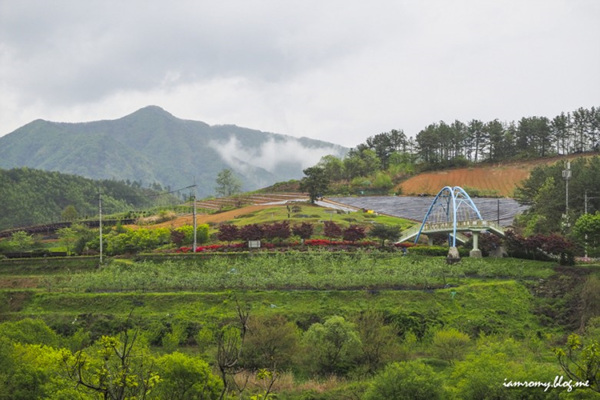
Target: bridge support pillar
{"points": [[430, 240], [475, 253], [453, 256]]}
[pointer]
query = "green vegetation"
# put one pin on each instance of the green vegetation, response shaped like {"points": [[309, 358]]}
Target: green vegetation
{"points": [[152, 146], [452, 331], [31, 197], [227, 183], [303, 212], [386, 159], [545, 191]]}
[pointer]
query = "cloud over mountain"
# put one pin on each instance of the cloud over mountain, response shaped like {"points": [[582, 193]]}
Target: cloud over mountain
{"points": [[151, 145]]}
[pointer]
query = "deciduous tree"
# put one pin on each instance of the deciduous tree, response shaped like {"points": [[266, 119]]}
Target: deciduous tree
{"points": [[315, 183], [227, 183]]}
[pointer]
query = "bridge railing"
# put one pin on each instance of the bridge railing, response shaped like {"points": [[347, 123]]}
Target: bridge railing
{"points": [[470, 225], [477, 223]]}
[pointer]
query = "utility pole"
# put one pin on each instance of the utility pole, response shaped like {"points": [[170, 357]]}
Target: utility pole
{"points": [[567, 175], [100, 220], [195, 222], [498, 212], [585, 208]]}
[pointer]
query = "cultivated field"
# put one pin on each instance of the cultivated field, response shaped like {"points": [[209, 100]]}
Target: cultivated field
{"points": [[496, 179]]}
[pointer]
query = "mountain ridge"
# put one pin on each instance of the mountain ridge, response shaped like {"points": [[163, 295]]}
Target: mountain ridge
{"points": [[151, 145]]}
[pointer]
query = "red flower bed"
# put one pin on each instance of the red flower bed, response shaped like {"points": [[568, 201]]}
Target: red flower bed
{"points": [[327, 242], [283, 245], [405, 244]]}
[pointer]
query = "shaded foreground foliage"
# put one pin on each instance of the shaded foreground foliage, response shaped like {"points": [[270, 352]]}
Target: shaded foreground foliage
{"points": [[464, 340]]}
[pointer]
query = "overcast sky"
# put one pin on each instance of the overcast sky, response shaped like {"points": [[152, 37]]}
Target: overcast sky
{"points": [[339, 71]]}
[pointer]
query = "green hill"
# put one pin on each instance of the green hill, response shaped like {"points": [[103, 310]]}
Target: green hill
{"points": [[152, 145], [30, 197]]}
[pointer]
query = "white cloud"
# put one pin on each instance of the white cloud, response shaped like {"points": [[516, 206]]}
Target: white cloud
{"points": [[271, 154]]}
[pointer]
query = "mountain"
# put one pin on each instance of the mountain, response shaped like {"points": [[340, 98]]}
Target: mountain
{"points": [[152, 146]]}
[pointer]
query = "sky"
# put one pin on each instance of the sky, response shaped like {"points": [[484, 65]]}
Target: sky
{"points": [[338, 71]]}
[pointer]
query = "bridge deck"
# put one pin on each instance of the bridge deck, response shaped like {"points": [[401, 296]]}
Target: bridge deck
{"points": [[448, 227]]}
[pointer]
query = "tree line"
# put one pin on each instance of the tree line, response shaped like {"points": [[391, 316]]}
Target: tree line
{"points": [[530, 137], [445, 144], [386, 159]]}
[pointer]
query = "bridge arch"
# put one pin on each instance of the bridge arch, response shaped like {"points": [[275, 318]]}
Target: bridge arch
{"points": [[450, 205]]}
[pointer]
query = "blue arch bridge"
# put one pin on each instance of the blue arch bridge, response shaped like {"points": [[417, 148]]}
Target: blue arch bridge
{"points": [[453, 212]]}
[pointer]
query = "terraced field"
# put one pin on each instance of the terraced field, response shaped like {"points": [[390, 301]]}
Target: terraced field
{"points": [[497, 179]]}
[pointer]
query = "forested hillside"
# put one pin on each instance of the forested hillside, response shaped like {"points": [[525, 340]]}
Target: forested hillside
{"points": [[29, 197], [151, 145], [385, 160]]}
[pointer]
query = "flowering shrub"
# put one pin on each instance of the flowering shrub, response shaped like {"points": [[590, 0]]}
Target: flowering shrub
{"points": [[213, 247], [332, 244], [328, 242], [405, 245]]}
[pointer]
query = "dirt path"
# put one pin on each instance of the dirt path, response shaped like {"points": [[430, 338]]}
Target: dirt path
{"points": [[214, 218]]}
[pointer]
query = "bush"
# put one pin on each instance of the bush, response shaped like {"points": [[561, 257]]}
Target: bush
{"points": [[331, 347], [228, 233], [383, 181], [304, 230], [188, 231], [436, 251], [450, 344], [271, 343], [276, 230], [332, 230], [251, 232], [185, 377], [590, 299], [540, 247], [29, 331], [411, 380], [353, 233]]}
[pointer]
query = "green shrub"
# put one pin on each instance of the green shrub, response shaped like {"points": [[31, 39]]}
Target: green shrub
{"points": [[188, 231], [331, 347], [436, 251], [29, 331], [185, 377], [450, 344], [271, 342], [382, 181], [410, 380]]}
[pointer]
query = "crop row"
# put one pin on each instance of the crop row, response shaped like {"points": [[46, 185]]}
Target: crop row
{"points": [[292, 270]]}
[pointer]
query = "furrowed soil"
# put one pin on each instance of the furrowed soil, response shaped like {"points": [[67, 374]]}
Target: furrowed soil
{"points": [[496, 179]]}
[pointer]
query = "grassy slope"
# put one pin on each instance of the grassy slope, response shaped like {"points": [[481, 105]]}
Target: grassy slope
{"points": [[261, 214]]}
